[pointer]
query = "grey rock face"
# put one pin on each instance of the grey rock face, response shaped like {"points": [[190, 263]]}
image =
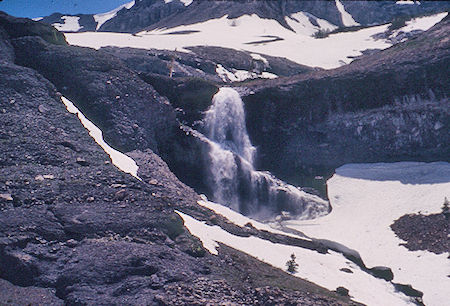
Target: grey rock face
{"points": [[388, 106]]}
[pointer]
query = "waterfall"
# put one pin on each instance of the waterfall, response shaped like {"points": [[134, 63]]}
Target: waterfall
{"points": [[232, 178]]}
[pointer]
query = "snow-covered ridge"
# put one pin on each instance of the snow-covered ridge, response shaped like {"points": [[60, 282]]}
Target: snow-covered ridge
{"points": [[104, 17], [71, 24], [120, 160]]}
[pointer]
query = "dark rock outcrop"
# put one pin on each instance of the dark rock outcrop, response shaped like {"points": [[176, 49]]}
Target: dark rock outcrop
{"points": [[131, 114], [387, 106], [424, 232], [20, 27]]}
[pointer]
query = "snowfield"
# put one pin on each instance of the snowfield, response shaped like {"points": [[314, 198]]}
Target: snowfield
{"points": [[321, 269], [259, 35], [71, 24], [366, 199], [120, 160]]}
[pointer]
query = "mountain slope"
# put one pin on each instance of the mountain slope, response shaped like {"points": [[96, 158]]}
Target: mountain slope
{"points": [[74, 224], [153, 14]]}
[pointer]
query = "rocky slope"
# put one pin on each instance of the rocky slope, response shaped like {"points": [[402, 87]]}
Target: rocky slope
{"points": [[388, 106], [76, 230]]}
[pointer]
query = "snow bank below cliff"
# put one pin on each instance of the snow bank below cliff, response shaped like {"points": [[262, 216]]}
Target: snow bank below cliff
{"points": [[366, 199], [322, 269]]}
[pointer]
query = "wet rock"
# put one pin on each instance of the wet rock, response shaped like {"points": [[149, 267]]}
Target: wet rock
{"points": [[408, 290], [382, 272], [342, 291]]}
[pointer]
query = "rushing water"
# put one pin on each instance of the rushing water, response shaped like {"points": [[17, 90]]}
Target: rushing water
{"points": [[232, 178]]}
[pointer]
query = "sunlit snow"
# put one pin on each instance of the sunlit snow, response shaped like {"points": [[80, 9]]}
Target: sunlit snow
{"points": [[241, 75], [347, 19], [422, 23], [407, 2], [248, 32], [71, 24], [104, 17], [322, 269], [120, 160], [366, 199]]}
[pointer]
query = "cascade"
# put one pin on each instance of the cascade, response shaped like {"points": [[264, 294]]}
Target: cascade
{"points": [[232, 177]]}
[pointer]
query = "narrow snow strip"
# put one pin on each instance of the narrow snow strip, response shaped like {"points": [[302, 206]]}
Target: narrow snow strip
{"points": [[422, 23], [186, 2], [347, 19], [120, 160], [322, 269], [367, 199], [104, 17], [71, 24], [406, 2], [241, 220], [38, 18]]}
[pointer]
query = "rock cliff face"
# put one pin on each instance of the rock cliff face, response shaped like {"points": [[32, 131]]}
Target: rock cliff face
{"points": [[130, 113], [73, 228], [388, 106]]}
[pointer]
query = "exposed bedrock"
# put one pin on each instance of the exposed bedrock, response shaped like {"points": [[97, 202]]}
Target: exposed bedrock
{"points": [[131, 114], [389, 106]]}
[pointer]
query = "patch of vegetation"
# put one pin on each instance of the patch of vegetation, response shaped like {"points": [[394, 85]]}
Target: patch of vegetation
{"points": [[292, 265], [323, 33]]}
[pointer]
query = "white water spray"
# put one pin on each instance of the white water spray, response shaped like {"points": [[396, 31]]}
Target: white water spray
{"points": [[232, 177]]}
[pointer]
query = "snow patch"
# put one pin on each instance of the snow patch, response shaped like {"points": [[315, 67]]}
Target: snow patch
{"points": [[120, 160], [407, 2], [186, 2], [258, 57], [104, 17], [71, 24], [241, 75], [38, 18], [347, 19], [366, 199], [422, 23], [322, 269]]}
